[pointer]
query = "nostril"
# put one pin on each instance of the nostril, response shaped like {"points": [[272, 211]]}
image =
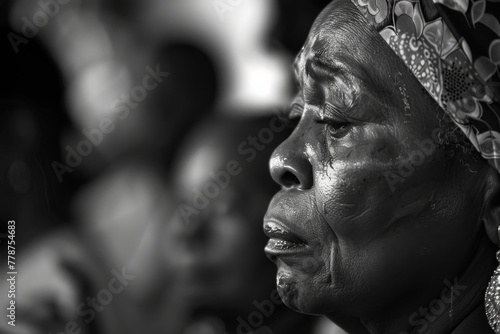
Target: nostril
{"points": [[288, 180], [291, 167]]}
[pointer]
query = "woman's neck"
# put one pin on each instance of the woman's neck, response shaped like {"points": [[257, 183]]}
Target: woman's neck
{"points": [[459, 304]]}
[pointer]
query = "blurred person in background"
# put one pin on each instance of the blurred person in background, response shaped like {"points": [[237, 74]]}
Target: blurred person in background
{"points": [[101, 49], [101, 275], [118, 187]]}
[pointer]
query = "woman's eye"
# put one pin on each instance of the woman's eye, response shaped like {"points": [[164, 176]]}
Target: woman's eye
{"points": [[337, 129], [338, 126]]}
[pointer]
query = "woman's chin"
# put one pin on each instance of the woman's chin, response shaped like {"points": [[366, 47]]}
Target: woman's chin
{"points": [[296, 293], [299, 293], [286, 285]]}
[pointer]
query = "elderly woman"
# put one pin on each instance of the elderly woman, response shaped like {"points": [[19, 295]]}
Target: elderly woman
{"points": [[389, 213]]}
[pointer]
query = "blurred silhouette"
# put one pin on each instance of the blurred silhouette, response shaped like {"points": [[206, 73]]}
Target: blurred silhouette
{"points": [[118, 209], [223, 185]]}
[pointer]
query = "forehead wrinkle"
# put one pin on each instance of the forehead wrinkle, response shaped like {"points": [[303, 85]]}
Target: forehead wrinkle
{"points": [[330, 47], [312, 58], [341, 26], [347, 68], [339, 72]]}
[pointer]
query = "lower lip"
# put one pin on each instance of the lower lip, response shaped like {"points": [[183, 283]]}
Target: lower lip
{"points": [[283, 247]]}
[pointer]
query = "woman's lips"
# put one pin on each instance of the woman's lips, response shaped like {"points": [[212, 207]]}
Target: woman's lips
{"points": [[281, 241]]}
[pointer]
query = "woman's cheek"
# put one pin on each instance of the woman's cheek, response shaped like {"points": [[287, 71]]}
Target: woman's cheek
{"points": [[338, 192]]}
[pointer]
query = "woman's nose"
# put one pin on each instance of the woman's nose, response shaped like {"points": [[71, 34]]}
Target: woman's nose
{"points": [[290, 166]]}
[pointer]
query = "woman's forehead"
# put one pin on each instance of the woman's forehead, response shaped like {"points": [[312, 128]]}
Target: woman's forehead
{"points": [[341, 38], [334, 54], [338, 13]]}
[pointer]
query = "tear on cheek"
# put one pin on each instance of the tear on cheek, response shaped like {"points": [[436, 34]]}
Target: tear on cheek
{"points": [[331, 268]]}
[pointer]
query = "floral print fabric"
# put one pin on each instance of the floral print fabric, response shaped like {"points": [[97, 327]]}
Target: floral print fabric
{"points": [[455, 54]]}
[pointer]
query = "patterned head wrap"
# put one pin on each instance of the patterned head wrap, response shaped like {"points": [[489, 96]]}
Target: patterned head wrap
{"points": [[453, 48]]}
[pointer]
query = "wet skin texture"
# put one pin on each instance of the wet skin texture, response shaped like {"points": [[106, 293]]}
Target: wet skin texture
{"points": [[365, 251]]}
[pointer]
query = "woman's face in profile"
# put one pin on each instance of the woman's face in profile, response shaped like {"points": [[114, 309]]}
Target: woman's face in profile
{"points": [[344, 234]]}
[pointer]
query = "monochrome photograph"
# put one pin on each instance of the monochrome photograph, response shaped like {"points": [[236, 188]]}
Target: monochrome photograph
{"points": [[250, 167]]}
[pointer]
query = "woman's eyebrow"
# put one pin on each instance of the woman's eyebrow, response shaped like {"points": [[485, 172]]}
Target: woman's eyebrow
{"points": [[318, 69]]}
